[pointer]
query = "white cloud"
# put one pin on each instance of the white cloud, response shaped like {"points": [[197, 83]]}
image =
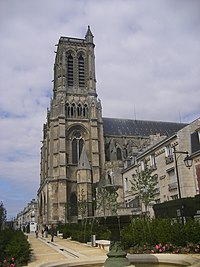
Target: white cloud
{"points": [[147, 65]]}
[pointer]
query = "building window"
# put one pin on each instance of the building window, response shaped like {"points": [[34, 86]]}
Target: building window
{"points": [[70, 75], [143, 165], [126, 184], [81, 71], [79, 110], [68, 109], [119, 154], [172, 176], [168, 151], [198, 136], [174, 197], [153, 161], [73, 110], [73, 209], [107, 151], [85, 111], [172, 180], [77, 146]]}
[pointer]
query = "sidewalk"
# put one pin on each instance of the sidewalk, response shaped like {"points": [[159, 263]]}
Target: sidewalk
{"points": [[62, 251]]}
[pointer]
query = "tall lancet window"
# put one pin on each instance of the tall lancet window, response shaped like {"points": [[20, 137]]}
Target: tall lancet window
{"points": [[81, 71], [70, 75], [77, 146], [119, 154]]}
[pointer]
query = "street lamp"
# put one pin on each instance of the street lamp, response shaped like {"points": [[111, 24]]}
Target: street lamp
{"points": [[188, 161]]}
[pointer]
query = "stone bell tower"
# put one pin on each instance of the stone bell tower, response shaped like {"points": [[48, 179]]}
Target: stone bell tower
{"points": [[72, 152]]}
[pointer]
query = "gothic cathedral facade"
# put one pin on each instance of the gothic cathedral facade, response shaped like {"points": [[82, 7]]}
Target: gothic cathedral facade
{"points": [[80, 149], [72, 153]]}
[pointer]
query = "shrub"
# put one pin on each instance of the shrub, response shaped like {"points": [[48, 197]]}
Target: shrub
{"points": [[14, 245], [83, 231], [161, 231]]}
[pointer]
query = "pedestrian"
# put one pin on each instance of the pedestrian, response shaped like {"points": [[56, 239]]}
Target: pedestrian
{"points": [[36, 233], [46, 231], [42, 232], [52, 233]]}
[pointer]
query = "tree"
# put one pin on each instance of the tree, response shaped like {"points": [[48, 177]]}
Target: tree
{"points": [[2, 216], [106, 200], [144, 186], [82, 204]]}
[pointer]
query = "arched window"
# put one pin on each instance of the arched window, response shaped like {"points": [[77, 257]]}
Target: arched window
{"points": [[73, 110], [107, 152], [85, 111], [79, 110], [67, 109], [77, 146], [81, 71], [73, 210], [119, 154], [70, 75]]}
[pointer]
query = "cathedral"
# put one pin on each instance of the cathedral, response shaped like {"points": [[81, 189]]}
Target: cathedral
{"points": [[82, 151]]}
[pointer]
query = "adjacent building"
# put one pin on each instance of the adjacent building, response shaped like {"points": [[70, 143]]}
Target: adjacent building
{"points": [[166, 160], [26, 220]]}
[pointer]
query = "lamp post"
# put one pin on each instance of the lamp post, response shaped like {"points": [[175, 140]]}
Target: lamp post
{"points": [[188, 163]]}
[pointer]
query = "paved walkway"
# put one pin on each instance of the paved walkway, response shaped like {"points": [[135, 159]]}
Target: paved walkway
{"points": [[62, 251]]}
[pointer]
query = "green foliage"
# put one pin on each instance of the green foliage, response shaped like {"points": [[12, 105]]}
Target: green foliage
{"points": [[2, 215], [160, 231], [82, 204], [144, 184], [14, 244], [83, 231], [106, 200], [191, 231]]}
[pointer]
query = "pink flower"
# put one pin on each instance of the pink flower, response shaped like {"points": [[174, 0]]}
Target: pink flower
{"points": [[160, 250], [152, 251], [5, 261], [157, 247], [163, 248], [13, 259], [12, 265]]}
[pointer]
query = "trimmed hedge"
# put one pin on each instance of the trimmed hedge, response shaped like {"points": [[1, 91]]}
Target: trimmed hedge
{"points": [[14, 245], [155, 231], [83, 231]]}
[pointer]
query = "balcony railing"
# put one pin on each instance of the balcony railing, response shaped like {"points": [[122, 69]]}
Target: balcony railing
{"points": [[172, 186]]}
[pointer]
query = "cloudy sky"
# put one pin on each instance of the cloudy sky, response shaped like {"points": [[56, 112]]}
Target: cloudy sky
{"points": [[147, 67]]}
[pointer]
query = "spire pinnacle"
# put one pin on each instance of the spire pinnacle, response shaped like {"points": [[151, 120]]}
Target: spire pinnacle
{"points": [[89, 36]]}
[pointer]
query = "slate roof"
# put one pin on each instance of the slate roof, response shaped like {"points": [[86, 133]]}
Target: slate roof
{"points": [[128, 127]]}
